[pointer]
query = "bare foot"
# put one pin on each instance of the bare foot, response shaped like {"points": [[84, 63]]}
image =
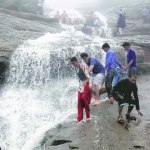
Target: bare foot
{"points": [[76, 120], [88, 119], [97, 102], [111, 100]]}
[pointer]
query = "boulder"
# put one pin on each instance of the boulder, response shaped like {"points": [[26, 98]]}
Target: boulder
{"points": [[19, 5]]}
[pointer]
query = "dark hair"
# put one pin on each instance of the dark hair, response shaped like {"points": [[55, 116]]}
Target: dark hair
{"points": [[84, 55], [125, 44], [106, 45], [73, 59], [133, 75]]}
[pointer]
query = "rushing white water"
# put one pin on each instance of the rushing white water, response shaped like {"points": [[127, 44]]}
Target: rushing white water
{"points": [[42, 87]]}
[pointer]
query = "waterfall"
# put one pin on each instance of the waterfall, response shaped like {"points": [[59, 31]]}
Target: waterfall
{"points": [[41, 88]]}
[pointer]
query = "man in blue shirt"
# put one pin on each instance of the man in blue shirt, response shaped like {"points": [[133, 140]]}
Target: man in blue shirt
{"points": [[131, 59], [97, 70], [110, 65]]}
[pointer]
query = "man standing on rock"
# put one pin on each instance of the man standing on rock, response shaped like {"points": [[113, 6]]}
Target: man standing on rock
{"points": [[122, 92], [97, 71], [85, 91], [111, 64], [40, 7], [131, 59]]}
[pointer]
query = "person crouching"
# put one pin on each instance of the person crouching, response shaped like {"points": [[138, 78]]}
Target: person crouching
{"points": [[125, 91]]}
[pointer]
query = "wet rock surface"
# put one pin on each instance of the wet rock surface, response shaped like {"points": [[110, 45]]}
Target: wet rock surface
{"points": [[19, 5], [103, 132], [14, 31]]}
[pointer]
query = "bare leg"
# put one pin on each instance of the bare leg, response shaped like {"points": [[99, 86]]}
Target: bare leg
{"points": [[120, 31], [102, 90], [97, 97], [120, 111]]}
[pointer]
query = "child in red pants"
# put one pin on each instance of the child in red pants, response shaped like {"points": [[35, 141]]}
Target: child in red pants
{"points": [[85, 89]]}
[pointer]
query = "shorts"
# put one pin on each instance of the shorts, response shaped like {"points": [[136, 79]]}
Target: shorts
{"points": [[98, 79], [131, 102], [121, 103]]}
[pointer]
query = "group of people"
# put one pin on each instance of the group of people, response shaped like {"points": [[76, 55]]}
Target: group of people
{"points": [[66, 19], [95, 79], [92, 22], [62, 16]]}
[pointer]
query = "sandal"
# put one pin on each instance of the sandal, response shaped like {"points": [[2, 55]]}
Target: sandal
{"points": [[128, 117], [120, 119]]}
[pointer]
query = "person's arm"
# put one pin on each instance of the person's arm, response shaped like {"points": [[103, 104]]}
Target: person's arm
{"points": [[90, 69], [86, 73], [109, 58], [118, 63], [92, 64], [129, 64], [115, 89], [135, 93], [133, 58], [112, 94], [136, 98], [119, 85]]}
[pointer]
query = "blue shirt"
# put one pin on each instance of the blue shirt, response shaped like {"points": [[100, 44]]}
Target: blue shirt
{"points": [[111, 61], [98, 67], [131, 56]]}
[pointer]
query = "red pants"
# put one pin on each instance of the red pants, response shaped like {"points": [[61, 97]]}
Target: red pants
{"points": [[84, 100]]}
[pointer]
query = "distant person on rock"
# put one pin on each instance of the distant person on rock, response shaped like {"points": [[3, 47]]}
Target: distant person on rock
{"points": [[121, 11], [110, 67], [90, 19], [85, 89], [87, 30], [145, 15], [57, 15], [96, 70], [125, 91], [64, 17], [40, 7], [97, 22], [121, 23], [131, 59]]}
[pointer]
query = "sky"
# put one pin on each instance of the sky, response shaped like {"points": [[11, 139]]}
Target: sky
{"points": [[71, 3]]}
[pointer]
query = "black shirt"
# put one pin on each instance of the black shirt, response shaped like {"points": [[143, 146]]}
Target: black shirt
{"points": [[125, 88]]}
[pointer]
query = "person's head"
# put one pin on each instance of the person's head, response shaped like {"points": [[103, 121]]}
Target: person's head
{"points": [[74, 61], [85, 57], [105, 47], [126, 46], [85, 25], [133, 79]]}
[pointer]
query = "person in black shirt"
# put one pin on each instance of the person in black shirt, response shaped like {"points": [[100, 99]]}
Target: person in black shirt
{"points": [[125, 91]]}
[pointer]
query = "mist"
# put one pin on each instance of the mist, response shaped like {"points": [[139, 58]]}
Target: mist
{"points": [[72, 4]]}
